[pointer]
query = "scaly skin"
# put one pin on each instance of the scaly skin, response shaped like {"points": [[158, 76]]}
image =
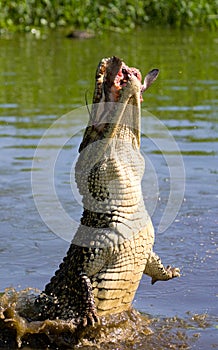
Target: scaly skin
{"points": [[113, 245]]}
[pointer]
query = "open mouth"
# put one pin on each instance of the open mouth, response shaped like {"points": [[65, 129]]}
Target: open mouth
{"points": [[122, 79], [112, 76]]}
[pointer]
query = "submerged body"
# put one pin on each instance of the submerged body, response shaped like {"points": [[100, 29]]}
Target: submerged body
{"points": [[113, 245]]}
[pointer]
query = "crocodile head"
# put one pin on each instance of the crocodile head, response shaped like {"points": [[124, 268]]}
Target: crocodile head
{"points": [[113, 75], [116, 101]]}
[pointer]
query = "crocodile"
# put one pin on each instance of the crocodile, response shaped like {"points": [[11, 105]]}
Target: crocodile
{"points": [[113, 245]]}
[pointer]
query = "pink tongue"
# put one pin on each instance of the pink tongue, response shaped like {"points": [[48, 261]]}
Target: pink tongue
{"points": [[128, 71]]}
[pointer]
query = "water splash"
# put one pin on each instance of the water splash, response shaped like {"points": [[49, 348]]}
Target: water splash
{"points": [[128, 330]]}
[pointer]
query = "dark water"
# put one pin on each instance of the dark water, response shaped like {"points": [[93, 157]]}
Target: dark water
{"points": [[42, 80]]}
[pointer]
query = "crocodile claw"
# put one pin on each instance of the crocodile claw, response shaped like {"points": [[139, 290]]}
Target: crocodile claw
{"points": [[90, 319], [173, 272]]}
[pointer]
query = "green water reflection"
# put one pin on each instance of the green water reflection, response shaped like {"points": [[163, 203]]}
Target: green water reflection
{"points": [[51, 76]]}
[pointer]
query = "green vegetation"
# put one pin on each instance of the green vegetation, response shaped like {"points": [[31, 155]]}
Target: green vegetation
{"points": [[115, 14]]}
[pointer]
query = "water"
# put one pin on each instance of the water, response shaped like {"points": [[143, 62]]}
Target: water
{"points": [[43, 79]]}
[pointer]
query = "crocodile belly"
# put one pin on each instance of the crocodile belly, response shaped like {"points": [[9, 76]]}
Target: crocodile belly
{"points": [[115, 285]]}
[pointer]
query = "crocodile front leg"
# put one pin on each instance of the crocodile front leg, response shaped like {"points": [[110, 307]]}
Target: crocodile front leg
{"points": [[155, 269]]}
